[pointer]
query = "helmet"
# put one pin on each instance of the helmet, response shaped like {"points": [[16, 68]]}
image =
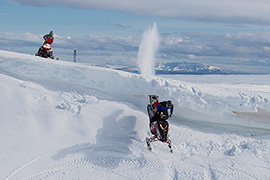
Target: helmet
{"points": [[51, 33], [153, 98], [169, 104]]}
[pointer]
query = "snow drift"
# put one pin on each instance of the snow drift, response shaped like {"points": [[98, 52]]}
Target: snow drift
{"points": [[61, 120], [200, 102]]}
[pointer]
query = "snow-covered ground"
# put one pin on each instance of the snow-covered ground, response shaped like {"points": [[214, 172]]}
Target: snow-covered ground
{"points": [[61, 120]]}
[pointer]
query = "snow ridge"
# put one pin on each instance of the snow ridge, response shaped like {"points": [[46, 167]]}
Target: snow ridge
{"points": [[61, 120]]}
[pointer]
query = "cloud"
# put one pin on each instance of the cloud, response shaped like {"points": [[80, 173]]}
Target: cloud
{"points": [[227, 48], [219, 45], [87, 43], [100, 43], [228, 11], [122, 25], [19, 40], [21, 36]]}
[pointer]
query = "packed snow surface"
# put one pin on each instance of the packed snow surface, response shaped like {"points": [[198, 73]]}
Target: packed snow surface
{"points": [[61, 120]]}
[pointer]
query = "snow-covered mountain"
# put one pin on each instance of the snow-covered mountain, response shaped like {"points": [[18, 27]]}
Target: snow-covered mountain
{"points": [[175, 68], [63, 120], [187, 68]]}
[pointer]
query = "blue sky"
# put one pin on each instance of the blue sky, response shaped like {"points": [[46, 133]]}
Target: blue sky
{"points": [[233, 35]]}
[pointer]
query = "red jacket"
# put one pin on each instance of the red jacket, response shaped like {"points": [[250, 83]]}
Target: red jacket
{"points": [[48, 39], [155, 106]]}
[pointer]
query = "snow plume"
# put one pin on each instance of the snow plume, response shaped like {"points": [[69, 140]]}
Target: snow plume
{"points": [[147, 51]]}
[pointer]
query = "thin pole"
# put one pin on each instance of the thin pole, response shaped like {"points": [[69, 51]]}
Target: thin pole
{"points": [[75, 53]]}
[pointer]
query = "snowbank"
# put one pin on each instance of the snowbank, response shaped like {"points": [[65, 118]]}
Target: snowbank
{"points": [[198, 102], [61, 120]]}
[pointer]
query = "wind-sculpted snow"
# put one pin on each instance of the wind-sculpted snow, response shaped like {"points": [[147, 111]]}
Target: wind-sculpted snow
{"points": [[61, 120], [197, 102]]}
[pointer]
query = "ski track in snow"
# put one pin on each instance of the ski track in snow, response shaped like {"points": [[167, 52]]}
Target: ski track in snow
{"points": [[72, 121]]}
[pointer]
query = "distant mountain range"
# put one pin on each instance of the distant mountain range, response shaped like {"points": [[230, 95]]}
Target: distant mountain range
{"points": [[187, 68], [176, 68]]}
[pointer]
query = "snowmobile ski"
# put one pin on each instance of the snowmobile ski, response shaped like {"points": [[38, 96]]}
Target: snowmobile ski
{"points": [[170, 148], [148, 144]]}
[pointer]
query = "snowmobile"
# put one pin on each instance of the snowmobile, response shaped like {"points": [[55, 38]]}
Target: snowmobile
{"points": [[45, 51], [160, 127]]}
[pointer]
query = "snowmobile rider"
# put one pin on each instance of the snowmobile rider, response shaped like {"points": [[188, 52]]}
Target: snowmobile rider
{"points": [[159, 127], [161, 110], [161, 113], [48, 38]]}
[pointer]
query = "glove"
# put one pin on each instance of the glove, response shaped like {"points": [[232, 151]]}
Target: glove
{"points": [[170, 115]]}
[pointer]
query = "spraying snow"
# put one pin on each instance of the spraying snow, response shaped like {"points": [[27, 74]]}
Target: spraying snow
{"points": [[147, 51]]}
